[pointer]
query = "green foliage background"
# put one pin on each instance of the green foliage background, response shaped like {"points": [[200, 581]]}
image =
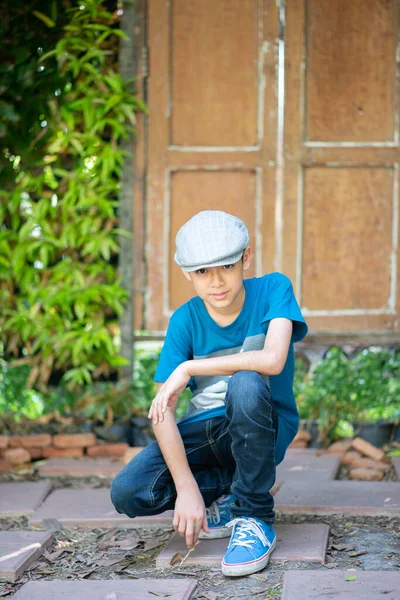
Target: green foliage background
{"points": [[59, 287], [363, 388]]}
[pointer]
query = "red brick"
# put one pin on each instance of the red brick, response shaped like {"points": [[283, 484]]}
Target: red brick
{"points": [[302, 434], [108, 449], [89, 508], [142, 589], [298, 444], [306, 464], [74, 440], [349, 457], [19, 549], [4, 465], [297, 542], [17, 456], [51, 452], [4, 441], [368, 449], [340, 447], [366, 474], [22, 497], [35, 453], [315, 585], [369, 463], [361, 498], [30, 441], [396, 465], [131, 453], [81, 467]]}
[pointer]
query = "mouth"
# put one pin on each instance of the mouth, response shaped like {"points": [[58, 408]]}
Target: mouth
{"points": [[220, 296]]}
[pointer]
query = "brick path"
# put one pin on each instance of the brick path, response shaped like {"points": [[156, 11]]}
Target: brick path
{"points": [[306, 485], [342, 585]]}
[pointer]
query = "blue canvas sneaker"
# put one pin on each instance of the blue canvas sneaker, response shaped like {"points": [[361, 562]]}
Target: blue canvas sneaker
{"points": [[218, 516], [250, 547]]}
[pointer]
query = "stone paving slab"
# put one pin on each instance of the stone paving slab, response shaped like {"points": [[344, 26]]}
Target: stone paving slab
{"points": [[396, 465], [305, 542], [368, 585], [123, 589], [19, 549], [22, 498], [301, 464], [360, 498], [90, 508], [80, 467]]}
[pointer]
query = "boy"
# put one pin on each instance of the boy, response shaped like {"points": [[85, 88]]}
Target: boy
{"points": [[233, 345]]}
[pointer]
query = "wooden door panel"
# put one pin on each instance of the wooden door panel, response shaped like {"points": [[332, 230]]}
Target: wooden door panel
{"points": [[212, 131], [214, 73], [346, 247], [341, 154], [287, 116], [351, 67]]}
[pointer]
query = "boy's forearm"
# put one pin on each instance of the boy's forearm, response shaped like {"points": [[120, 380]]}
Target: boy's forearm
{"points": [[261, 361], [171, 445]]}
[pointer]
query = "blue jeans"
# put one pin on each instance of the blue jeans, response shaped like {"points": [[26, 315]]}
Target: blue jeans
{"points": [[234, 453]]}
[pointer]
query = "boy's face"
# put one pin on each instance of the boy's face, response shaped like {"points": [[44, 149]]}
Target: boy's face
{"points": [[220, 287]]}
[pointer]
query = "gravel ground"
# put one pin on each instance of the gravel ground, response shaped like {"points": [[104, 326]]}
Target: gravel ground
{"points": [[360, 543]]}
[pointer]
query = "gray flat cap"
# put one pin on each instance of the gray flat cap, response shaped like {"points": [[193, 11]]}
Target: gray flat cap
{"points": [[210, 239]]}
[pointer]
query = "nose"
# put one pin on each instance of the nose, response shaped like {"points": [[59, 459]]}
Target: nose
{"points": [[217, 280]]}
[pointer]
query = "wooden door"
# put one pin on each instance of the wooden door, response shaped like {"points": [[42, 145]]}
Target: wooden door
{"points": [[287, 117], [341, 154], [212, 131]]}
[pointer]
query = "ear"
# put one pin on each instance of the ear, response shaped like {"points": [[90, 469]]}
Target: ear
{"points": [[187, 275], [247, 258]]}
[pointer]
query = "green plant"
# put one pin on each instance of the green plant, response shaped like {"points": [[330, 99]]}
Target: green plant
{"points": [[375, 381], [59, 286], [15, 398], [341, 391], [100, 402], [324, 395], [144, 386]]}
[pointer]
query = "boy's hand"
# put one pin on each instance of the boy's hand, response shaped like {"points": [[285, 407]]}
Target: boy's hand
{"points": [[190, 515], [167, 396]]}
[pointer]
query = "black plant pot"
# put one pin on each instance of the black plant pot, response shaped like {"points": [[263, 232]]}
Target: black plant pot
{"points": [[119, 431], [311, 425], [378, 433], [142, 432], [396, 433]]}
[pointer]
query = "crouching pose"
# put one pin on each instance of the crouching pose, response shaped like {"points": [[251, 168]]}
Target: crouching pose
{"points": [[233, 345]]}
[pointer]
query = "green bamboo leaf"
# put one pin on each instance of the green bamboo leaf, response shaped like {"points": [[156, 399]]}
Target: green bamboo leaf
{"points": [[46, 20], [80, 309]]}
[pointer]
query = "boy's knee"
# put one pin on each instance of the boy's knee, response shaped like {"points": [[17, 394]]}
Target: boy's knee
{"points": [[246, 389], [129, 497], [247, 383]]}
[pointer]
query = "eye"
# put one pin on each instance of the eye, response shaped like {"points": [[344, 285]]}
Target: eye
{"points": [[228, 266], [201, 271]]}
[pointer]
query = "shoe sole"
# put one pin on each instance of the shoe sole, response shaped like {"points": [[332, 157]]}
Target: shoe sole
{"points": [[222, 532], [247, 568]]}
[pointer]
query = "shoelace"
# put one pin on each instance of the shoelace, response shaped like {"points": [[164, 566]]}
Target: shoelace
{"points": [[213, 513], [246, 527]]}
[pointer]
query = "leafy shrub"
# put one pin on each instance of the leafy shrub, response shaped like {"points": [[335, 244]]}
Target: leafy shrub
{"points": [[363, 388], [102, 402], [59, 287]]}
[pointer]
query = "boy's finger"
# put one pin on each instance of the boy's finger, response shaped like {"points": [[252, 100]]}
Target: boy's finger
{"points": [[205, 525], [190, 534], [197, 531]]}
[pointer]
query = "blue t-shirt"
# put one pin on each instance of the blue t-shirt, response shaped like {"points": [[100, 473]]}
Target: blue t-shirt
{"points": [[193, 334]]}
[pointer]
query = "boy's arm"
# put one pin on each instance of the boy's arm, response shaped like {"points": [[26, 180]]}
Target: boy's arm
{"points": [[268, 361], [190, 514]]}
